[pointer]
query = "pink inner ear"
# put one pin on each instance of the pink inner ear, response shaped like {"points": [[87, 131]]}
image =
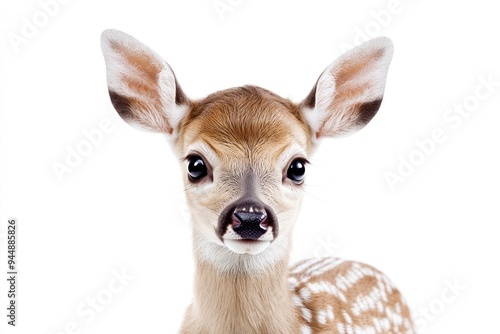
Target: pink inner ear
{"points": [[141, 77], [350, 91], [355, 80], [139, 60], [138, 98], [350, 71]]}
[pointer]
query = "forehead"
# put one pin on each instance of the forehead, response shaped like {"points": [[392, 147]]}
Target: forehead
{"points": [[244, 122]]}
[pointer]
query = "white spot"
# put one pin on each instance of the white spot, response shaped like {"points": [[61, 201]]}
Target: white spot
{"points": [[305, 294], [347, 317], [321, 317], [306, 329]]}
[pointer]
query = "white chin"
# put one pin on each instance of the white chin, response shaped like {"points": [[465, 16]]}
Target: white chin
{"points": [[247, 246]]}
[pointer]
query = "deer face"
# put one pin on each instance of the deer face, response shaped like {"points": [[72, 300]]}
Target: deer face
{"points": [[244, 150]]}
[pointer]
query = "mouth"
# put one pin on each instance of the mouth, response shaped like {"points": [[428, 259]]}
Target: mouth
{"points": [[241, 245], [247, 246]]}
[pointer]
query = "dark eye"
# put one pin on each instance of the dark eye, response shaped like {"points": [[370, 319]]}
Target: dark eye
{"points": [[196, 168], [297, 171]]}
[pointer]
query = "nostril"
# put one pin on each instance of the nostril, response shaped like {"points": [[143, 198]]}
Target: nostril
{"points": [[235, 221], [264, 224]]}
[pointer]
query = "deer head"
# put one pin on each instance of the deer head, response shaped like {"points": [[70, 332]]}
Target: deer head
{"points": [[244, 151]]}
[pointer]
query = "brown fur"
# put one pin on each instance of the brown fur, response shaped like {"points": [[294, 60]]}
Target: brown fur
{"points": [[248, 120]]}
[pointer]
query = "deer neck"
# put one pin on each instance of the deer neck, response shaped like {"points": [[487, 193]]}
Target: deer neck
{"points": [[241, 300]]}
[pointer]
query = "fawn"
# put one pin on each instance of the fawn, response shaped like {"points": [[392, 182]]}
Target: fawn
{"points": [[244, 154]]}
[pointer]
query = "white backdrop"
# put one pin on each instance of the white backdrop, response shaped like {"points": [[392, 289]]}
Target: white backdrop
{"points": [[105, 248]]}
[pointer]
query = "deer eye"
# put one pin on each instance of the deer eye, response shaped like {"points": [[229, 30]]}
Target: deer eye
{"points": [[297, 170], [197, 168]]}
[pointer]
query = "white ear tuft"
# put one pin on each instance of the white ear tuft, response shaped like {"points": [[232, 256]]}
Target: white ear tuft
{"points": [[142, 86], [350, 90]]}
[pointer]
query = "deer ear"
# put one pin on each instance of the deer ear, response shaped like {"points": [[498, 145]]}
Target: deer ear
{"points": [[141, 85], [349, 92]]}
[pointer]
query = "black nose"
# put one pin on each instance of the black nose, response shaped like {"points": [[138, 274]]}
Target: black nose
{"points": [[249, 221], [249, 218]]}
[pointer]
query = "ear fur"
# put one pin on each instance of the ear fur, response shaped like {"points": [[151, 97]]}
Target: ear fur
{"points": [[142, 86], [350, 90]]}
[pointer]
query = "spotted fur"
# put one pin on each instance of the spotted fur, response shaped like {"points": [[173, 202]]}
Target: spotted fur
{"points": [[337, 296]]}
